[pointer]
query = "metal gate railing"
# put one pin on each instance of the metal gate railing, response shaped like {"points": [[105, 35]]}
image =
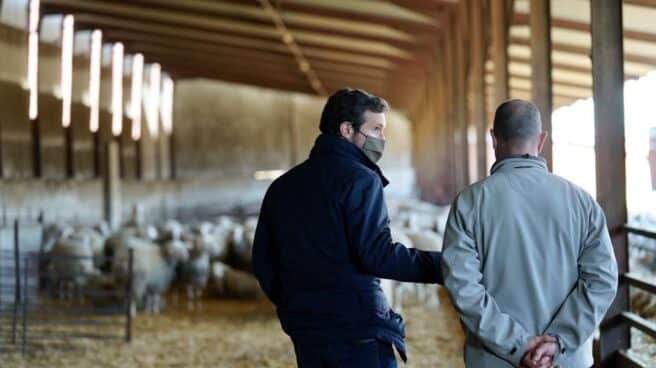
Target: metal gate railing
{"points": [[54, 301], [632, 319]]}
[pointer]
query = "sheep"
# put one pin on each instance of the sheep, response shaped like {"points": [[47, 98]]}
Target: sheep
{"points": [[430, 241], [171, 230], [96, 243], [195, 271], [243, 238], [425, 239], [51, 233], [395, 290], [226, 281], [71, 262], [153, 269], [419, 215], [215, 239]]}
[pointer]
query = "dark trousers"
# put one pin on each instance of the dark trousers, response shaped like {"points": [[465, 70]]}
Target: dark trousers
{"points": [[370, 353]]}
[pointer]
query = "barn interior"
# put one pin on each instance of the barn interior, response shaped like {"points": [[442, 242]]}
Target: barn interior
{"points": [[170, 119]]}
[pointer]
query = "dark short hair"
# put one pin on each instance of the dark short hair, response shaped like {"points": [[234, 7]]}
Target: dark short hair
{"points": [[517, 120], [349, 105]]}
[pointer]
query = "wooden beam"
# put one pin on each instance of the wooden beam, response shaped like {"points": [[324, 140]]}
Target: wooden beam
{"points": [[559, 46], [646, 326], [245, 43], [529, 91], [284, 73], [610, 156], [645, 3], [91, 21], [121, 13], [499, 50], [583, 69], [625, 360], [294, 48], [540, 21], [252, 13], [190, 72], [245, 54], [405, 25], [629, 34], [432, 8]]}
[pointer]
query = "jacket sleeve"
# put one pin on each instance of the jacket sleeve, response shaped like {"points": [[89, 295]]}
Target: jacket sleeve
{"points": [[264, 256], [368, 232], [585, 306], [478, 310]]}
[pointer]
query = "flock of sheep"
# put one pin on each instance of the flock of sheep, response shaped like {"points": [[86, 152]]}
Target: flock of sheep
{"points": [[209, 257], [213, 258]]}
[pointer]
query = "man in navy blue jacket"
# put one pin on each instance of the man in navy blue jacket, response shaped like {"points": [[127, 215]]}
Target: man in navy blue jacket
{"points": [[323, 241]]}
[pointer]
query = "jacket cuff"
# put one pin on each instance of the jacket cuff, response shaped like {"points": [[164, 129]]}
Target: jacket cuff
{"points": [[559, 342], [518, 351], [437, 260]]}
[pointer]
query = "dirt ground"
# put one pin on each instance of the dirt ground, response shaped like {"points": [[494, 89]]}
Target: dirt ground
{"points": [[242, 333], [232, 333]]}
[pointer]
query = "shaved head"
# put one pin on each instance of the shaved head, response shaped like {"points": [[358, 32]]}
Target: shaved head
{"points": [[517, 121]]}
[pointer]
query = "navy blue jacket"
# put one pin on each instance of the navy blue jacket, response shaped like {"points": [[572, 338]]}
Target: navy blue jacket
{"points": [[322, 242]]}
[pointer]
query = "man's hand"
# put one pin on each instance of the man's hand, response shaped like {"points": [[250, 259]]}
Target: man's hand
{"points": [[540, 352]]}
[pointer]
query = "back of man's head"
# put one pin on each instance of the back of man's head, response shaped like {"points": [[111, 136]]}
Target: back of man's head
{"points": [[349, 105], [517, 122]]}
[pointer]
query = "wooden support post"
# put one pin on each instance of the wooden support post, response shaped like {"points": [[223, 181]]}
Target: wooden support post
{"points": [[172, 173], [499, 25], [96, 154], [138, 166], [449, 121], [164, 159], [477, 85], [69, 158], [460, 94], [121, 159], [157, 146], [608, 87], [112, 186], [36, 148], [541, 83], [2, 170]]}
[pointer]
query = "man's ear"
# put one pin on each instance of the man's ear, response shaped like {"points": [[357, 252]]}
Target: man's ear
{"points": [[346, 129], [543, 139], [494, 139]]}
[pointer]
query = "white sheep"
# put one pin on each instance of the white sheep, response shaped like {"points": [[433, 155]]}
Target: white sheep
{"points": [[395, 290], [242, 245], [153, 269], [226, 281], [70, 264]]}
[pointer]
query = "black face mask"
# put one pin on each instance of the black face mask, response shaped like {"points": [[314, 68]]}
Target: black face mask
{"points": [[373, 147]]}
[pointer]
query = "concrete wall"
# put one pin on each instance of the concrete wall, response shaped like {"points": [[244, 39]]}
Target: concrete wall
{"points": [[225, 130]]}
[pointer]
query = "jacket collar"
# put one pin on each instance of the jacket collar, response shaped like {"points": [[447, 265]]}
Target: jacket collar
{"points": [[329, 144], [518, 162]]}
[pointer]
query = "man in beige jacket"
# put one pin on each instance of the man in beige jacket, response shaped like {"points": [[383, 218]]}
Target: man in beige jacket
{"points": [[527, 257]]}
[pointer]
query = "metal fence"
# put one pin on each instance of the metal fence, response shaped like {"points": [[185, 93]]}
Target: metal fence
{"points": [[644, 241], [50, 300]]}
